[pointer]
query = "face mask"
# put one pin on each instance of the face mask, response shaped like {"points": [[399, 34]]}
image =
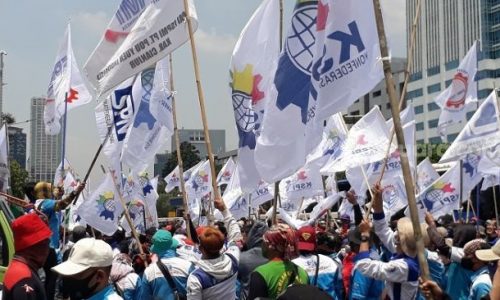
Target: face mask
{"points": [[79, 288], [467, 263]]}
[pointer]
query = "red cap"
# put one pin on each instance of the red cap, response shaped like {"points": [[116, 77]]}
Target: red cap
{"points": [[307, 238], [29, 230]]}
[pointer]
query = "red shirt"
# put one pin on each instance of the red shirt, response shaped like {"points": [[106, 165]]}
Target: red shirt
{"points": [[22, 283]]}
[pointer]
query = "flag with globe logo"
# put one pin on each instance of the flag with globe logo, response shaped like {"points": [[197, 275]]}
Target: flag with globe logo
{"points": [[252, 71]]}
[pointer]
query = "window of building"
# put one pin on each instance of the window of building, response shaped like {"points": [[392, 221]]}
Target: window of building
{"points": [[447, 83], [419, 126], [420, 142], [452, 137], [433, 71], [433, 123], [416, 76], [354, 113], [435, 140], [415, 93], [434, 88], [451, 65], [419, 109], [388, 105], [431, 106], [377, 93], [484, 93], [469, 115]]}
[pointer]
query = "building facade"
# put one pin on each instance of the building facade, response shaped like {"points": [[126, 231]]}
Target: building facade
{"points": [[446, 31], [45, 150], [378, 96], [17, 145], [196, 138], [160, 163]]}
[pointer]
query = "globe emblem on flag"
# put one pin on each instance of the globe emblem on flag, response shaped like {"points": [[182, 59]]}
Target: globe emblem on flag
{"points": [[106, 206], [143, 113], [459, 85], [470, 164], [302, 36], [135, 209], [389, 195], [431, 197], [246, 95]]}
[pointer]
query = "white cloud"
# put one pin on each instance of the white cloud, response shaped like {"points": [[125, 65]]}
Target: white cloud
{"points": [[213, 43], [92, 22]]}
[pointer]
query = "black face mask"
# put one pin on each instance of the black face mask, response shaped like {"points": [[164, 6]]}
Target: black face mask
{"points": [[467, 263], [79, 288]]}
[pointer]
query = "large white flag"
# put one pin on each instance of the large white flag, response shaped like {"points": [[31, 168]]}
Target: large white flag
{"points": [[306, 183], [139, 34], [252, 71], [480, 133], [4, 159], [262, 194], [65, 80], [103, 208], [199, 183], [490, 161], [393, 194], [443, 195], [283, 144], [470, 173], [226, 173], [172, 180], [366, 142], [145, 135], [346, 62], [161, 97], [462, 91], [324, 206], [426, 174]]}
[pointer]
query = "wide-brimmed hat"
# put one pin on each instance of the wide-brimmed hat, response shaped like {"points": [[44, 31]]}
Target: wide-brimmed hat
{"points": [[29, 230], [489, 254], [163, 241]]}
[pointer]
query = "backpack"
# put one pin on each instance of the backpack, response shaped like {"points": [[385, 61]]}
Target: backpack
{"points": [[296, 291]]}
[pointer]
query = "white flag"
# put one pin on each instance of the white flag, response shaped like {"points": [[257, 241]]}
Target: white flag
{"points": [[393, 194], [139, 34], [443, 195], [4, 159], [103, 208], [324, 206], [161, 96], [227, 171], [290, 219], [480, 133], [346, 62], [150, 194], [406, 116], [252, 70], [199, 183], [65, 80], [470, 173], [262, 194], [490, 181], [60, 174], [462, 91], [172, 180], [426, 174], [490, 161], [366, 142], [307, 182], [137, 213], [283, 144], [145, 135]]}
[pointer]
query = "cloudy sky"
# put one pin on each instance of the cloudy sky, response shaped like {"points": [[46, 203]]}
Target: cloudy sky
{"points": [[31, 31]]}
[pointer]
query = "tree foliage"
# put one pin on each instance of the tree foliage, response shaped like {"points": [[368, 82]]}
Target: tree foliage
{"points": [[18, 178], [8, 118], [190, 157], [433, 151]]}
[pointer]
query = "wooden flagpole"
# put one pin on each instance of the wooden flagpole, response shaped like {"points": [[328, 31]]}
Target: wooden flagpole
{"points": [[389, 81], [178, 149], [201, 100], [409, 65]]}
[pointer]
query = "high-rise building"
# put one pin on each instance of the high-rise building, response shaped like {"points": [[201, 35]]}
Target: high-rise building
{"points": [[17, 145], [45, 150], [446, 31], [378, 95], [196, 138], [160, 163]]}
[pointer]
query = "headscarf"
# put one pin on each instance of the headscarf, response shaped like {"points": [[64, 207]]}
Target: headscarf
{"points": [[282, 239]]}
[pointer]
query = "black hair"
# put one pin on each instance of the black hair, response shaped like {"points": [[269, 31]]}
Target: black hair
{"points": [[29, 191]]}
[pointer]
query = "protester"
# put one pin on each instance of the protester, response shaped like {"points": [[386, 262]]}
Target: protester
{"points": [[123, 277], [50, 207], [480, 279], [216, 273], [252, 257], [361, 286], [491, 232], [87, 270], [31, 243], [322, 271], [78, 233], [270, 280], [402, 271], [154, 284]]}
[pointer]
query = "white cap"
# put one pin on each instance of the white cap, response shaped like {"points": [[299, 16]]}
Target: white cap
{"points": [[86, 253], [489, 254]]}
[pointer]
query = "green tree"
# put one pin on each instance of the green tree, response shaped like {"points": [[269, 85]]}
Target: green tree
{"points": [[433, 151], [190, 157], [18, 178], [8, 118]]}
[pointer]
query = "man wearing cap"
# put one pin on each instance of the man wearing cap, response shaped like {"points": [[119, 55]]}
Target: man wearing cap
{"points": [[87, 270], [481, 281], [153, 284], [323, 272], [31, 242]]}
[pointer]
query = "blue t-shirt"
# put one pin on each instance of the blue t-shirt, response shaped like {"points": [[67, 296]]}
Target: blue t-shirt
{"points": [[106, 294], [48, 207]]}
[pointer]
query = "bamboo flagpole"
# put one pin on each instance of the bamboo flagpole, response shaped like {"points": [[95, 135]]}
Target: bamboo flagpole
{"points": [[178, 149], [409, 65], [389, 81], [201, 100]]}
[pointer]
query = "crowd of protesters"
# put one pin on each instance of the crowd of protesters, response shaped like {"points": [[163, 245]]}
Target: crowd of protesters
{"points": [[368, 258]]}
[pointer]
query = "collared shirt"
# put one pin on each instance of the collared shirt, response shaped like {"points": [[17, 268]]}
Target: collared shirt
{"points": [[481, 284], [108, 293]]}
